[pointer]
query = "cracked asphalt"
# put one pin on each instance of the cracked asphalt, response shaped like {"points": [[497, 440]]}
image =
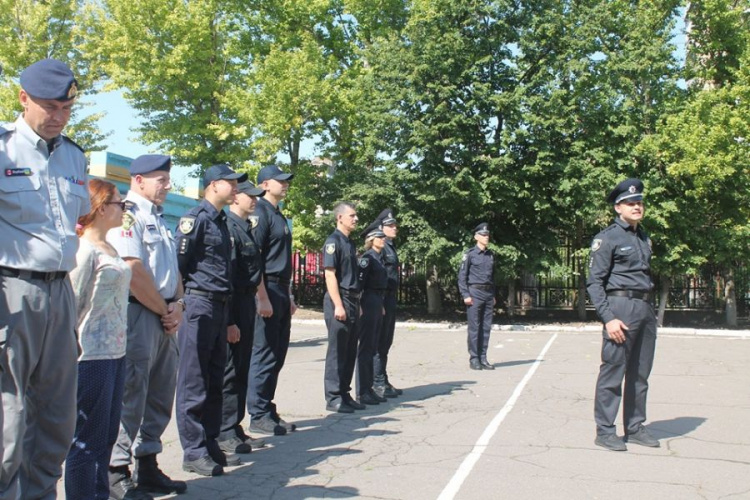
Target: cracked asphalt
{"points": [[411, 447]]}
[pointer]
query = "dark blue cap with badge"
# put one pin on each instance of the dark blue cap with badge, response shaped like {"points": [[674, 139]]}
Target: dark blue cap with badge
{"points": [[150, 163], [483, 229], [374, 230], [249, 189], [221, 172], [273, 172], [49, 79], [626, 191], [386, 217]]}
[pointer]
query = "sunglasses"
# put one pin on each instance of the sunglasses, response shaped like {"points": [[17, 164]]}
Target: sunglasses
{"points": [[121, 204]]}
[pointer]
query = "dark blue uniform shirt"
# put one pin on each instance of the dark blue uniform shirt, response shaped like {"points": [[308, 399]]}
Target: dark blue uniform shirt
{"points": [[247, 261], [620, 260], [372, 273], [390, 261], [271, 233], [204, 249], [340, 253], [477, 268]]}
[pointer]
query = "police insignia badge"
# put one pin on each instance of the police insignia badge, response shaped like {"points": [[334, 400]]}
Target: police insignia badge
{"points": [[72, 91], [363, 263], [127, 221], [253, 221], [595, 245], [632, 189], [330, 248], [464, 257], [286, 229], [187, 224]]}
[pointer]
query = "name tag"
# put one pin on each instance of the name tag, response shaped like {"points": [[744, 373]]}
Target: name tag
{"points": [[75, 180], [151, 227], [17, 172], [625, 249]]}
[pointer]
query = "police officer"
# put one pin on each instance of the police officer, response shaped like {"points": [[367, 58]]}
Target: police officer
{"points": [[621, 290], [476, 282], [204, 252], [154, 313], [382, 384], [43, 191], [247, 272], [275, 302], [340, 310], [373, 279]]}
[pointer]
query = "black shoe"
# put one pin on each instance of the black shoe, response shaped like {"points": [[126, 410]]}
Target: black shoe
{"points": [[150, 478], [339, 407], [121, 486], [349, 401], [611, 442], [286, 425], [369, 398], [393, 389], [378, 398], [266, 425], [486, 365], [474, 364], [205, 466], [235, 445], [643, 438]]}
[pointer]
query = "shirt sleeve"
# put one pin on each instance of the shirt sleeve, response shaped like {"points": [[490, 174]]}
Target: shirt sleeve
{"points": [[330, 254], [128, 238], [82, 280], [600, 266], [463, 276], [261, 231], [186, 244]]}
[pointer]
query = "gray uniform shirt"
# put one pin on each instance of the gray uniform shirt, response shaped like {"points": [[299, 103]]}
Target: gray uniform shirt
{"points": [[42, 195], [145, 236]]}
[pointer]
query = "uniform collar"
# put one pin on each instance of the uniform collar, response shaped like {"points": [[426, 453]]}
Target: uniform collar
{"points": [[211, 210], [144, 204], [480, 250], [262, 201], [342, 234], [243, 223], [625, 225], [25, 131]]}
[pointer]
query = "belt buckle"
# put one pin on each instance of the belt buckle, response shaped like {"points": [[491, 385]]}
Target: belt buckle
{"points": [[49, 277]]}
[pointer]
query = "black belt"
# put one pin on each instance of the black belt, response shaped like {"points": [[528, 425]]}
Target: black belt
{"points": [[632, 294], [349, 293], [32, 275], [212, 296], [275, 279], [248, 290], [133, 300], [482, 287]]}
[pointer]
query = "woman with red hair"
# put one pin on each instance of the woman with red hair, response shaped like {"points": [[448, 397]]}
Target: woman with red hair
{"points": [[101, 281]]}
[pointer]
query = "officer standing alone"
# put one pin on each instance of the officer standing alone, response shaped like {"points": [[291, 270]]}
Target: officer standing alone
{"points": [[621, 290], [204, 252], [43, 192], [476, 282]]}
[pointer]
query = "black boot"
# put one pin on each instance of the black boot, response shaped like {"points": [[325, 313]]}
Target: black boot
{"points": [[150, 478], [121, 486]]}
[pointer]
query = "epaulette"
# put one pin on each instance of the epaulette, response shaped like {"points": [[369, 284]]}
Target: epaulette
{"points": [[7, 128], [130, 206], [66, 138]]}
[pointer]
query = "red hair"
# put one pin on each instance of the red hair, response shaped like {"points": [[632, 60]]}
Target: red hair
{"points": [[100, 192]]}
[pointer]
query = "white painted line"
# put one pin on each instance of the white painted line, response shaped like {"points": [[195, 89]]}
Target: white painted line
{"points": [[451, 489]]}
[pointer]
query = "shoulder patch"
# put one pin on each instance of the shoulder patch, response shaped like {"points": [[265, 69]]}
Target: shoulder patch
{"points": [[187, 224], [364, 262], [595, 245], [127, 221], [253, 219], [464, 257], [330, 248], [66, 138]]}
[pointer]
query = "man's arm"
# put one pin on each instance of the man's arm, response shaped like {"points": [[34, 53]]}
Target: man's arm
{"points": [[463, 277], [600, 266], [332, 285], [143, 288]]}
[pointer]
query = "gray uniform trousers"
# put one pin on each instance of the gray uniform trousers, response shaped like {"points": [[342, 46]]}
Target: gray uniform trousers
{"points": [[39, 374], [632, 361], [150, 381]]}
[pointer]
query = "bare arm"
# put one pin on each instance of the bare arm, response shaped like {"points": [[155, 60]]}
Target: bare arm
{"points": [[332, 285]]}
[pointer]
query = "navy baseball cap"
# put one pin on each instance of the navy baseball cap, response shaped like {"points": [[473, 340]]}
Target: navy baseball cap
{"points": [[150, 163], [273, 172], [49, 79], [221, 172], [483, 229], [386, 217], [249, 189], [628, 190]]}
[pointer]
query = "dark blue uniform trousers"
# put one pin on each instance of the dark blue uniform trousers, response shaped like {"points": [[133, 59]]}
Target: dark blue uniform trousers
{"points": [[270, 345], [341, 355], [202, 340], [385, 339], [632, 361], [238, 367], [368, 328], [479, 319]]}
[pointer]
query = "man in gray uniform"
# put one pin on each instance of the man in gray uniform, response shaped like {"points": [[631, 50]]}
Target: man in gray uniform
{"points": [[43, 192], [154, 313], [621, 289]]}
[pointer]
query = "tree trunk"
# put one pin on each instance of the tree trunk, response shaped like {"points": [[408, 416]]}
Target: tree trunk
{"points": [[731, 307], [434, 305], [581, 299], [666, 283], [511, 302]]}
